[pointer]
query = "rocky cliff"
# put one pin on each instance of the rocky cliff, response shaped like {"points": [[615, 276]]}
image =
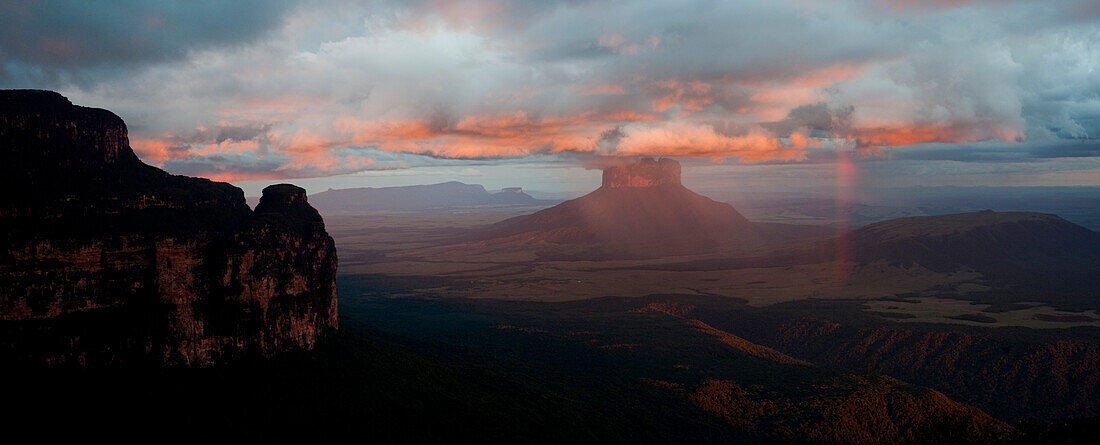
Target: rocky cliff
{"points": [[645, 172], [107, 261]]}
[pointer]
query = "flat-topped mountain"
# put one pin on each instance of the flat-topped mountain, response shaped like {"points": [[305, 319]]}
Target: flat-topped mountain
{"points": [[640, 210], [107, 261], [447, 195]]}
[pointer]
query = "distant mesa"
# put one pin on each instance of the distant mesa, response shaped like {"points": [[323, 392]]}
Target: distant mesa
{"points": [[447, 195], [641, 210], [107, 261]]}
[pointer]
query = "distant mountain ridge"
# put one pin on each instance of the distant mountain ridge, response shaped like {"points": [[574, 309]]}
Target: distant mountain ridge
{"points": [[1027, 250], [447, 195]]}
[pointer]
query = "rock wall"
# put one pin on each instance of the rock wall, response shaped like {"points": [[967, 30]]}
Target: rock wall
{"points": [[106, 261], [645, 172]]}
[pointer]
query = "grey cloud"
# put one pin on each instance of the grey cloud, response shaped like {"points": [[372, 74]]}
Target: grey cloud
{"points": [[609, 139], [54, 40], [206, 66], [215, 164], [238, 133], [820, 116], [1000, 152]]}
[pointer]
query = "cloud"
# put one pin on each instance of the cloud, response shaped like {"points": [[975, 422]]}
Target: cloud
{"points": [[292, 90], [995, 151], [693, 140], [55, 41]]}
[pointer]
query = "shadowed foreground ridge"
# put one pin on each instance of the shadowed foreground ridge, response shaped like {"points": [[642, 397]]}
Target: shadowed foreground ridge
{"points": [[107, 261]]}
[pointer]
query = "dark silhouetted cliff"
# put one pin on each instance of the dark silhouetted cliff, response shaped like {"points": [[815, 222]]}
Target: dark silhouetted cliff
{"points": [[107, 261]]}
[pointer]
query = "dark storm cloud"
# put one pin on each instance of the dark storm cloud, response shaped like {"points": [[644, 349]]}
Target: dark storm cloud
{"points": [[241, 133], [1001, 152], [220, 166], [52, 40], [819, 117]]}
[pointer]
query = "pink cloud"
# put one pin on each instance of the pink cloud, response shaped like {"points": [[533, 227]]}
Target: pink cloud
{"points": [[688, 95], [696, 140], [154, 150], [916, 133], [599, 88]]}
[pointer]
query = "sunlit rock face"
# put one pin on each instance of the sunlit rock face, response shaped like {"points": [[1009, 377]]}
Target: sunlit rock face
{"points": [[645, 172], [107, 261]]}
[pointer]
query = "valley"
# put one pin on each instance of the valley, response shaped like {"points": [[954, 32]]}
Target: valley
{"points": [[843, 222], [704, 326]]}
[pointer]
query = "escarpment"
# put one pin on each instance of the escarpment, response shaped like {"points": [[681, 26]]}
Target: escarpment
{"points": [[107, 261], [645, 172]]}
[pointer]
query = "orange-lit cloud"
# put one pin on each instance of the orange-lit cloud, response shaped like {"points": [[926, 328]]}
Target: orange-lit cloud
{"points": [[338, 86], [500, 79], [227, 146], [688, 95], [154, 151], [894, 136], [318, 149], [234, 175], [773, 99], [480, 136], [694, 140], [599, 88]]}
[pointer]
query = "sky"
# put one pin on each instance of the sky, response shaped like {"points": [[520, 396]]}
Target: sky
{"points": [[756, 95]]}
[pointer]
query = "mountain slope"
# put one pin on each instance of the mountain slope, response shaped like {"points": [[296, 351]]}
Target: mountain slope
{"points": [[640, 210], [1031, 251], [1011, 375]]}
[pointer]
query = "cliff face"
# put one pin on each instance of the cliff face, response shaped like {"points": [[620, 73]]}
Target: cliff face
{"points": [[646, 172], [284, 292], [107, 261]]}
